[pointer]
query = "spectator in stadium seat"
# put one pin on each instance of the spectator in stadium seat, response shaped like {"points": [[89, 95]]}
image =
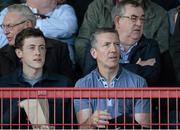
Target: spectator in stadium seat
{"points": [[30, 47], [55, 20], [92, 113], [98, 15], [18, 18], [175, 49], [137, 53]]}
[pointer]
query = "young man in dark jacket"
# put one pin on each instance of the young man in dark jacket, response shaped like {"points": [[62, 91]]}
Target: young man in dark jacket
{"points": [[31, 49]]}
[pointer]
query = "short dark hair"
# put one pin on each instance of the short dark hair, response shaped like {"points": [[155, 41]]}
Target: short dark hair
{"points": [[93, 38], [26, 33], [119, 9]]}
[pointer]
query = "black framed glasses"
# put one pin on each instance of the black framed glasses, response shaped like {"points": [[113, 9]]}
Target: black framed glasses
{"points": [[134, 18], [11, 27]]}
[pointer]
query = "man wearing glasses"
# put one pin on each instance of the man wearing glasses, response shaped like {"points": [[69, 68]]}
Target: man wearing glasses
{"points": [[137, 53]]}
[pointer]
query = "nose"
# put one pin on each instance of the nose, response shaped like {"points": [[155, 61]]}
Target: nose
{"points": [[139, 22], [37, 51], [6, 31], [114, 48]]}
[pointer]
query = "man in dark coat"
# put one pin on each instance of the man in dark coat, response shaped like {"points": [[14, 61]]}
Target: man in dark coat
{"points": [[30, 49]]}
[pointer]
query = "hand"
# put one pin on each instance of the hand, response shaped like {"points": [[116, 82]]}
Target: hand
{"points": [[100, 119], [149, 62]]}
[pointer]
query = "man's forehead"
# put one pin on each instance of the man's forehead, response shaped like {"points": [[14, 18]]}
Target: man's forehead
{"points": [[11, 17], [34, 41], [108, 36], [130, 9]]}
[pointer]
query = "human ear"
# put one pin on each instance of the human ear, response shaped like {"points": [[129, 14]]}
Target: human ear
{"points": [[19, 53], [93, 53], [117, 21]]}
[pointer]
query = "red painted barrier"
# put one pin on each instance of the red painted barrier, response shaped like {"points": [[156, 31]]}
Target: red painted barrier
{"points": [[50, 108]]}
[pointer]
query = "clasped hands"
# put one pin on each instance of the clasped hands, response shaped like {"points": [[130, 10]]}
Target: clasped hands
{"points": [[100, 119]]}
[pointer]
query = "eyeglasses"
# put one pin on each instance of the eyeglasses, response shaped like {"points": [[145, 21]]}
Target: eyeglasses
{"points": [[134, 18], [11, 27]]}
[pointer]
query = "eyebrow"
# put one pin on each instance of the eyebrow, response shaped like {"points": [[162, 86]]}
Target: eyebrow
{"points": [[137, 15], [36, 45]]}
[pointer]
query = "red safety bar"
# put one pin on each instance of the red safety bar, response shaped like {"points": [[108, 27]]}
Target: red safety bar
{"points": [[58, 108]]}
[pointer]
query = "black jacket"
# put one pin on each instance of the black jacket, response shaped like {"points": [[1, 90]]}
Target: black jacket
{"points": [[174, 49], [145, 49], [15, 80], [57, 59]]}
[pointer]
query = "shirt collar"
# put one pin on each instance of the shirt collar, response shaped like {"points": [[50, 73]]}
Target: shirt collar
{"points": [[18, 77], [116, 77], [129, 50]]}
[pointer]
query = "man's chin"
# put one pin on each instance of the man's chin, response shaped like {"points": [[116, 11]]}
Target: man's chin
{"points": [[11, 44], [136, 38]]}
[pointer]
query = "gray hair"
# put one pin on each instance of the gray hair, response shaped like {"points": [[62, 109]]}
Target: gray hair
{"points": [[93, 38], [119, 9], [24, 11]]}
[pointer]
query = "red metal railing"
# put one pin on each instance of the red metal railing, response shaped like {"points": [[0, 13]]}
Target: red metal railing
{"points": [[162, 102]]}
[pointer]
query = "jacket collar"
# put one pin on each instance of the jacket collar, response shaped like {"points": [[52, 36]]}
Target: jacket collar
{"points": [[17, 77], [116, 77], [140, 44]]}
